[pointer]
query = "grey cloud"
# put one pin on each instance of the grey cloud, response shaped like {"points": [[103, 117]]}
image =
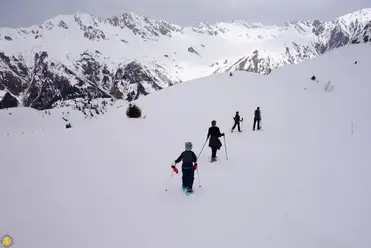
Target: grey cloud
{"points": [[15, 13]]}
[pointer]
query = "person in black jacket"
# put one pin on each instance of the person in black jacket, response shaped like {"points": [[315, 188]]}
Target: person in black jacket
{"points": [[257, 118], [188, 157], [214, 142], [237, 120]]}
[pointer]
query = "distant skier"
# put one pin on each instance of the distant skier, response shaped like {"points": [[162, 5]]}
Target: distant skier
{"points": [[188, 157], [257, 118], [237, 120], [214, 142]]}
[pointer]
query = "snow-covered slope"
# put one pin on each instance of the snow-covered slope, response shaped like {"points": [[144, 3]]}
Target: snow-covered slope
{"points": [[304, 181], [24, 121], [128, 56]]}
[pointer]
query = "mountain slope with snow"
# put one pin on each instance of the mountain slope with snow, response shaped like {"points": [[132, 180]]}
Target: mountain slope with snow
{"points": [[82, 56], [303, 181], [363, 36]]}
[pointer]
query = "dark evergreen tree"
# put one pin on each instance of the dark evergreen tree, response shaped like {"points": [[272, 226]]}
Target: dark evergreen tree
{"points": [[133, 111]]}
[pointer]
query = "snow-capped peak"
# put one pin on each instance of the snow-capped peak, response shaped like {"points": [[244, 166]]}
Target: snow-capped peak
{"points": [[130, 55], [354, 22], [143, 26], [357, 15]]}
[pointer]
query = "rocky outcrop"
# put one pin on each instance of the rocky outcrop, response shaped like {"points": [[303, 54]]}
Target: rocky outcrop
{"points": [[8, 101]]}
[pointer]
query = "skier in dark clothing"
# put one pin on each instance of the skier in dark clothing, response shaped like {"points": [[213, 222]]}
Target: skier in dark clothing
{"points": [[188, 157], [237, 120], [214, 142], [257, 118]]}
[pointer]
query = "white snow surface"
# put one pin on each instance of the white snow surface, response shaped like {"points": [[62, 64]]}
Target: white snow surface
{"points": [[303, 181]]}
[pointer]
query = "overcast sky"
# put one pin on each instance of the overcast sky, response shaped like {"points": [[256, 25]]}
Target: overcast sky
{"points": [[21, 13]]}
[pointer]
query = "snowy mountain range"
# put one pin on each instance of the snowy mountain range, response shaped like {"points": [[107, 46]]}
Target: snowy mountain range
{"points": [[82, 56]]}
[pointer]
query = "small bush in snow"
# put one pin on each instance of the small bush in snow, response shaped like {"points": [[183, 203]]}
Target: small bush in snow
{"points": [[313, 77], [68, 125], [133, 111]]}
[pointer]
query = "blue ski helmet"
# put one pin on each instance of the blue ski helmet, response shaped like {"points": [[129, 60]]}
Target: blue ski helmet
{"points": [[188, 145]]}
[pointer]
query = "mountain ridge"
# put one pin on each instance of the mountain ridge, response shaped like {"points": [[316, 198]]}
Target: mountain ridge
{"points": [[125, 57]]}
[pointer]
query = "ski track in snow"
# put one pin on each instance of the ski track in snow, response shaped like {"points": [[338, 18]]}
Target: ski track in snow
{"points": [[304, 181]]}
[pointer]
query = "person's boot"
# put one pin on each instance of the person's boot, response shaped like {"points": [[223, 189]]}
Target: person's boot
{"points": [[189, 189]]}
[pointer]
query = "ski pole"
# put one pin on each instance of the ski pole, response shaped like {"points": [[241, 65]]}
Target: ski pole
{"points": [[261, 124], [198, 173], [225, 147], [202, 149], [198, 176], [172, 172]]}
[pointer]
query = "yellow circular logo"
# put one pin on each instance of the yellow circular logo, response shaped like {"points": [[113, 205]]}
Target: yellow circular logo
{"points": [[7, 241]]}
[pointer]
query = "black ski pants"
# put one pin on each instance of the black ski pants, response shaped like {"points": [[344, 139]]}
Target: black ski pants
{"points": [[188, 177], [213, 152], [256, 121], [237, 123]]}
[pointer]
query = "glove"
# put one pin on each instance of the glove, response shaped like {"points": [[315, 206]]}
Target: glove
{"points": [[175, 169], [195, 166]]}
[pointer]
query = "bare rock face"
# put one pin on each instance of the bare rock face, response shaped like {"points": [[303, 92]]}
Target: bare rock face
{"points": [[8, 101]]}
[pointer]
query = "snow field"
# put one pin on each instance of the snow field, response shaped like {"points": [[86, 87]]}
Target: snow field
{"points": [[303, 181]]}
